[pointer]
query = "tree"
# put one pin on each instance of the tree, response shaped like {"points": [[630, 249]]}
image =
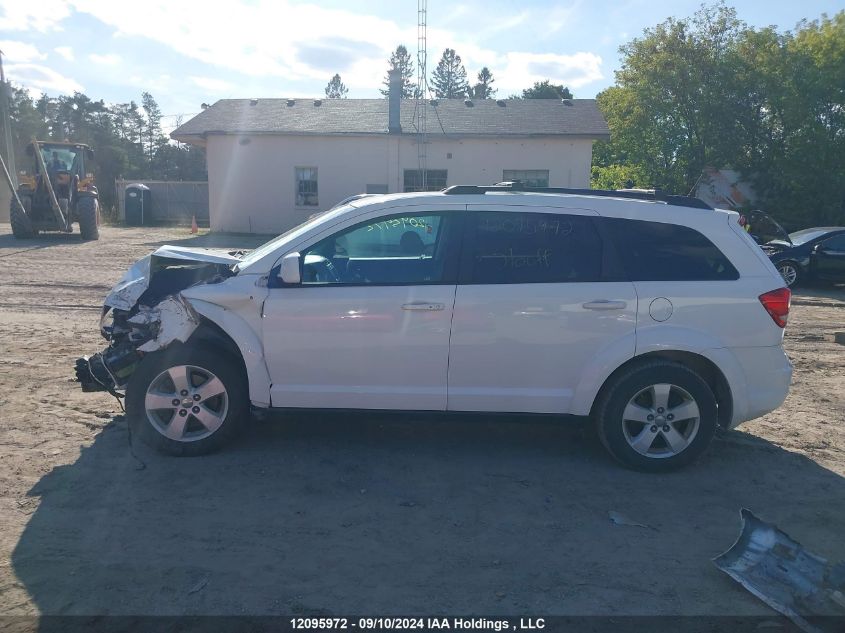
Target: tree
{"points": [[153, 137], [483, 89], [336, 89], [449, 79], [546, 90], [709, 91], [401, 59]]}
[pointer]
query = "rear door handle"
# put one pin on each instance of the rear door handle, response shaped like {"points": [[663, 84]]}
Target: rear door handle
{"points": [[605, 304], [426, 307]]}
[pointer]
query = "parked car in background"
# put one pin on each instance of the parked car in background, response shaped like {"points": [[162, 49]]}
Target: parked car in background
{"points": [[762, 227], [810, 254], [656, 316]]}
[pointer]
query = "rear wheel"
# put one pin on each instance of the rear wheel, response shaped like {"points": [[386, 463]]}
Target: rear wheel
{"points": [[656, 416], [87, 209], [19, 218], [789, 272], [187, 400]]}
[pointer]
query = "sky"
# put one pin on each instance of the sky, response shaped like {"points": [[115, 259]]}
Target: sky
{"points": [[189, 52]]}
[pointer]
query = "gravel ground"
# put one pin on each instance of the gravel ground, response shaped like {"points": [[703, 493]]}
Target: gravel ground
{"points": [[368, 513]]}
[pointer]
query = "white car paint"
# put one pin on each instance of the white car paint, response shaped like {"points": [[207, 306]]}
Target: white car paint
{"points": [[519, 347]]}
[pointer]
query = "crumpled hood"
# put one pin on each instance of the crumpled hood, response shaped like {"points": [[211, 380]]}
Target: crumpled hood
{"points": [[126, 293]]}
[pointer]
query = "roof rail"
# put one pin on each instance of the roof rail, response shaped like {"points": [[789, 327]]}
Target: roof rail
{"points": [[653, 195]]}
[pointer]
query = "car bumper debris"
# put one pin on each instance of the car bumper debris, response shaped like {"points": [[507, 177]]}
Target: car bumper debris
{"points": [[778, 570]]}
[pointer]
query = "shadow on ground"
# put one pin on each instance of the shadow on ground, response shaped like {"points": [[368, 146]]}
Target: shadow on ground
{"points": [[368, 514]]}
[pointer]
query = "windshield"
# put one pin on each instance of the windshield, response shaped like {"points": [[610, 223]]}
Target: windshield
{"points": [[291, 234], [59, 158], [807, 235]]}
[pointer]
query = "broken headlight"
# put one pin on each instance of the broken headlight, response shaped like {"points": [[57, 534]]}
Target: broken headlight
{"points": [[107, 322]]}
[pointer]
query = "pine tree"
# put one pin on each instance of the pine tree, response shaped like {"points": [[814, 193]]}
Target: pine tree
{"points": [[401, 59], [336, 89], [484, 88], [450, 77]]}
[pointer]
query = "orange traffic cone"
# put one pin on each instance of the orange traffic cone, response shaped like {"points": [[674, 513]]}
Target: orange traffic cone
{"points": [[194, 227]]}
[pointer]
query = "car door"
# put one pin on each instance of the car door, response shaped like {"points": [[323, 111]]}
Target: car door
{"points": [[538, 303], [828, 258], [368, 326]]}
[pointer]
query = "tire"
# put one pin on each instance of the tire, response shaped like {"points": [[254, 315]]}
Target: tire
{"points": [[21, 224], [668, 443], [790, 272], [87, 209], [219, 415]]}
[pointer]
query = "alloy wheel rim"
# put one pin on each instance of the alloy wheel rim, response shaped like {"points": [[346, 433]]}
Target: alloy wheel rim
{"points": [[788, 273], [186, 403], [661, 421]]}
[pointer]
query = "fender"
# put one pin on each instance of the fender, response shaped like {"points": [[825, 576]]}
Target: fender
{"points": [[659, 338], [206, 301], [593, 376]]}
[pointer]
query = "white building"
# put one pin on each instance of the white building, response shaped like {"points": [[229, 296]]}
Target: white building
{"points": [[274, 162]]}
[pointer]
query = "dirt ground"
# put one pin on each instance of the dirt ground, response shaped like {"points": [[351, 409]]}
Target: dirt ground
{"points": [[373, 514]]}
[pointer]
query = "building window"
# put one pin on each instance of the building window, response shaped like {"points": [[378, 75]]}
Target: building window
{"points": [[528, 177], [306, 187], [435, 180]]}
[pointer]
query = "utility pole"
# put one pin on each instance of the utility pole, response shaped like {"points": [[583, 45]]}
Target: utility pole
{"points": [[6, 113]]}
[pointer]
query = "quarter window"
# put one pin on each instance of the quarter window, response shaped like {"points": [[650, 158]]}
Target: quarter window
{"points": [[306, 187], [393, 250], [512, 248], [656, 251], [528, 177]]}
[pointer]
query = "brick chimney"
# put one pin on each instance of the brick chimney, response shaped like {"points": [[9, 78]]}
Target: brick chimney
{"points": [[394, 99]]}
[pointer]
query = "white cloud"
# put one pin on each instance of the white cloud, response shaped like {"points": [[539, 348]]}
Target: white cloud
{"points": [[523, 69], [211, 84], [109, 59], [66, 52], [42, 16], [18, 52], [42, 79], [281, 42]]}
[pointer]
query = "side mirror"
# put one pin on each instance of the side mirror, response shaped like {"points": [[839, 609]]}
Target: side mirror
{"points": [[818, 249], [289, 272]]}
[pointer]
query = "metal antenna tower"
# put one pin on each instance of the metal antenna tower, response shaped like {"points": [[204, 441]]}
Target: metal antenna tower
{"points": [[422, 90]]}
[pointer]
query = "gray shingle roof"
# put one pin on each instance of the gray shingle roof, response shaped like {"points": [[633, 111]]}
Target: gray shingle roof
{"points": [[521, 117]]}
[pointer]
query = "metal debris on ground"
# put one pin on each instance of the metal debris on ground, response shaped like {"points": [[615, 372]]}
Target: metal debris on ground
{"points": [[620, 519], [778, 570]]}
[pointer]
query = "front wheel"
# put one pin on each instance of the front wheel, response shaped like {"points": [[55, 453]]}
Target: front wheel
{"points": [[20, 220], [656, 416], [187, 400], [789, 272]]}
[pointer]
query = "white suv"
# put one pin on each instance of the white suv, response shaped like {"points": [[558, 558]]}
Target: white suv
{"points": [[655, 315]]}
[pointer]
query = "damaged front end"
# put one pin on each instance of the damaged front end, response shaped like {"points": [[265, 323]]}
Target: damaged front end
{"points": [[145, 312]]}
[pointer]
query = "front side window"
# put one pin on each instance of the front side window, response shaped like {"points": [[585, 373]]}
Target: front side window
{"points": [[835, 244], [657, 251], [435, 180], [528, 177], [511, 248], [394, 250], [306, 187]]}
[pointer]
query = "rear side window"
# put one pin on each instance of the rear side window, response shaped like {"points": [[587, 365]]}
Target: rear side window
{"points": [[655, 251], [513, 248]]}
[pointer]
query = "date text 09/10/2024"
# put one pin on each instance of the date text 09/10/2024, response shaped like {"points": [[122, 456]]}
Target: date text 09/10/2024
{"points": [[410, 624]]}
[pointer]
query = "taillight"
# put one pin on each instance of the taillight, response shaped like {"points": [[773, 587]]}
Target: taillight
{"points": [[776, 303]]}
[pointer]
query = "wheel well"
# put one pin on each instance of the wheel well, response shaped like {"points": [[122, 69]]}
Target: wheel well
{"points": [[212, 334], [704, 367]]}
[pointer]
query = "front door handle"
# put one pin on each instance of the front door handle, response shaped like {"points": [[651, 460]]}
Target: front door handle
{"points": [[426, 307], [605, 304]]}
